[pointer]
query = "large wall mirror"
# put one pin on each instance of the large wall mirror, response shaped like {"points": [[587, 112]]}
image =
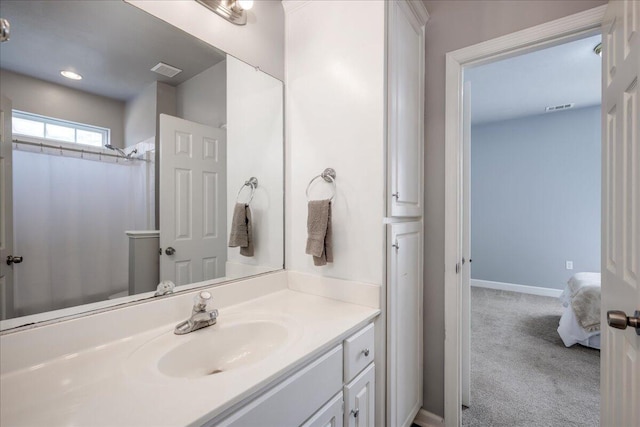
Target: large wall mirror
{"points": [[132, 153]]}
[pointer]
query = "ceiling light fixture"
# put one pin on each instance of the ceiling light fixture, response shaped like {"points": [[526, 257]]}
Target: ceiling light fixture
{"points": [[233, 11], [71, 75], [598, 49]]}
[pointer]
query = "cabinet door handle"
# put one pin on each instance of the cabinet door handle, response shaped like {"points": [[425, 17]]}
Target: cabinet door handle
{"points": [[396, 246], [355, 412], [396, 195], [365, 352]]}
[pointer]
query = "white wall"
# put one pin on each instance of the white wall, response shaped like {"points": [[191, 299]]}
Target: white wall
{"points": [[142, 125], [203, 98], [335, 114], [255, 148], [335, 118], [141, 112], [452, 25], [61, 102], [140, 116], [260, 42]]}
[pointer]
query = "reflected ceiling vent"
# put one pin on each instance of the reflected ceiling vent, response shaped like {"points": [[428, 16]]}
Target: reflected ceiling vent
{"points": [[166, 70], [559, 107]]}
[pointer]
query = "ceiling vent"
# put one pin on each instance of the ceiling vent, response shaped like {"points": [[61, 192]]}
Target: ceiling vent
{"points": [[166, 70], [559, 107]]}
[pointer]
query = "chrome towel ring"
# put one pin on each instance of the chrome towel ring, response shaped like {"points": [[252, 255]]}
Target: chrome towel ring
{"points": [[253, 183], [329, 175]]}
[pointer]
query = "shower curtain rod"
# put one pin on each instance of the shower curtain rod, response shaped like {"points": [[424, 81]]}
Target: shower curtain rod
{"points": [[76, 150]]}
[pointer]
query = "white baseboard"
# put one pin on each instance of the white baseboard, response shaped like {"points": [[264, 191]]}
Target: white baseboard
{"points": [[427, 419], [524, 289]]}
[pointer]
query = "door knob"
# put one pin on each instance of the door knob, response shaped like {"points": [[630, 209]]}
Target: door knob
{"points": [[13, 259], [355, 413], [619, 320], [169, 251]]}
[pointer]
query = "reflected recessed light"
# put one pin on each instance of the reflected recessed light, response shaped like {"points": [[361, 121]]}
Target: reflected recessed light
{"points": [[71, 75]]}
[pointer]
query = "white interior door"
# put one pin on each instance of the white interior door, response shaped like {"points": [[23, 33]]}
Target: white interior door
{"points": [[192, 201], [465, 366], [404, 323], [620, 366], [6, 210]]}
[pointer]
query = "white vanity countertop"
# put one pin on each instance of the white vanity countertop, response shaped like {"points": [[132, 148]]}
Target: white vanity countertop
{"points": [[104, 385]]}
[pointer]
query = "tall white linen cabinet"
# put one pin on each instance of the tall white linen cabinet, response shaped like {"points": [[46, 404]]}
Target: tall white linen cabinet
{"points": [[354, 101]]}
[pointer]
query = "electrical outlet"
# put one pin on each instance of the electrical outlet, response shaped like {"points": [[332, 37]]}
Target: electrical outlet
{"points": [[569, 265]]}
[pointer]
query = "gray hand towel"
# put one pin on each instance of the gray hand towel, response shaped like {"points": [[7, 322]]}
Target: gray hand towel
{"points": [[241, 230], [319, 240], [248, 249]]}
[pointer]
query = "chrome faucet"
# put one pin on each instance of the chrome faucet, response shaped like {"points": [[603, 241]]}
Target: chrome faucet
{"points": [[200, 317]]}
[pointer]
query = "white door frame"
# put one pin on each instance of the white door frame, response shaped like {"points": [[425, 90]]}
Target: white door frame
{"points": [[545, 35]]}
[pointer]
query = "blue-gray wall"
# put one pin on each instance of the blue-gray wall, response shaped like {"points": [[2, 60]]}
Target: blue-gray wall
{"points": [[535, 198]]}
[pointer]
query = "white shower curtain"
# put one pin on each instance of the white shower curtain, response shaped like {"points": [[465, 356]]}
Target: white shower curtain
{"points": [[70, 218]]}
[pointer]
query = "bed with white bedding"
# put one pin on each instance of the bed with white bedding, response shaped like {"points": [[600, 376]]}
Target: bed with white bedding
{"points": [[580, 321]]}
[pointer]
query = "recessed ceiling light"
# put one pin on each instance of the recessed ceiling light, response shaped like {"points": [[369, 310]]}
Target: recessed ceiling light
{"points": [[71, 75]]}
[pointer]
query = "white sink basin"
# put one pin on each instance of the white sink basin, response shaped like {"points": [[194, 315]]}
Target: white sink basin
{"points": [[231, 344], [214, 350]]}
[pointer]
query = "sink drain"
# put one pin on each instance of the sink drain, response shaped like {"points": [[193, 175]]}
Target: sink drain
{"points": [[215, 371]]}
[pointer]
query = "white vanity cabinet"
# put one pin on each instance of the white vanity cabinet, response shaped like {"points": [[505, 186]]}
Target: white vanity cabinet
{"points": [[336, 389], [330, 415]]}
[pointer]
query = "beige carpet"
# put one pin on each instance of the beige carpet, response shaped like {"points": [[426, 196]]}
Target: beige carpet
{"points": [[521, 372]]}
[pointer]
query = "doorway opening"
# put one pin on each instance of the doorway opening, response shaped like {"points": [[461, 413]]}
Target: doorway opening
{"points": [[619, 91], [531, 297]]}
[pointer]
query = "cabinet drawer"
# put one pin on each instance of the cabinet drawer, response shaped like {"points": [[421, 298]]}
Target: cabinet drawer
{"points": [[294, 400], [358, 352], [330, 415]]}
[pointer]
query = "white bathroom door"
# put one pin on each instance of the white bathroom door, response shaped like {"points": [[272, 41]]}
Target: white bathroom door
{"points": [[193, 211], [620, 356], [6, 210]]}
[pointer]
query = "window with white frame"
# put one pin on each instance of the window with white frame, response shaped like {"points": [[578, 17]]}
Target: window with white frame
{"points": [[48, 128]]}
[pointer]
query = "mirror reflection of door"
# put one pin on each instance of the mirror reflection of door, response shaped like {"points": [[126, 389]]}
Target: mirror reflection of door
{"points": [[193, 202], [6, 211], [85, 171]]}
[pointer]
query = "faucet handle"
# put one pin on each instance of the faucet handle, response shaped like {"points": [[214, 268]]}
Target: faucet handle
{"points": [[201, 300], [165, 287]]}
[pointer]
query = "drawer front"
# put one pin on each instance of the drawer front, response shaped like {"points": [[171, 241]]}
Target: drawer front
{"points": [[358, 352], [330, 415], [294, 400]]}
